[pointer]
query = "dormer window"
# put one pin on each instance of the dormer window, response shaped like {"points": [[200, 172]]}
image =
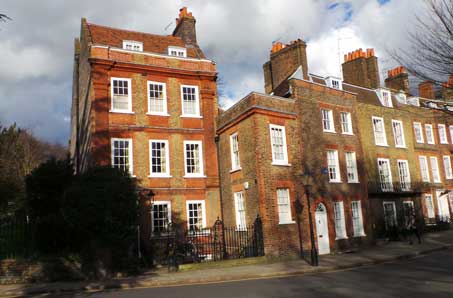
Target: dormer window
{"points": [[334, 83], [432, 105], [386, 98], [177, 51], [133, 45]]}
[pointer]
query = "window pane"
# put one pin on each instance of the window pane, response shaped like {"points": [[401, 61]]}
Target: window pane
{"points": [[193, 158], [284, 209], [121, 154], [190, 102]]}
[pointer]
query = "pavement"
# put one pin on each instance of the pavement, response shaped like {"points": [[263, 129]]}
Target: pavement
{"points": [[383, 253]]}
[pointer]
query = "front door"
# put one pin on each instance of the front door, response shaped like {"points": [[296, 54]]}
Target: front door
{"points": [[322, 229]]}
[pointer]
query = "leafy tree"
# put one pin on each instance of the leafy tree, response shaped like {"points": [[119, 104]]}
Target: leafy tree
{"points": [[45, 187], [20, 153], [430, 56], [101, 209]]}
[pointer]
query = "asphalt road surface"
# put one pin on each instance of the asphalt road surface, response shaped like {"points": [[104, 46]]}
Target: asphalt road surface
{"points": [[428, 276]]}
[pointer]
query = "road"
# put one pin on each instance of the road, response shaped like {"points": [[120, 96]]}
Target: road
{"points": [[427, 276]]}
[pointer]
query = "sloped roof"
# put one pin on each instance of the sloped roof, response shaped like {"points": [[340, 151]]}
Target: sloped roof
{"points": [[151, 42]]}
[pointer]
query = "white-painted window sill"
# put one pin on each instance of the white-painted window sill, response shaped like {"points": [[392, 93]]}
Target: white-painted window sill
{"points": [[191, 116], [281, 164], [158, 114], [235, 170], [194, 176], [121, 112], [160, 176], [287, 222]]}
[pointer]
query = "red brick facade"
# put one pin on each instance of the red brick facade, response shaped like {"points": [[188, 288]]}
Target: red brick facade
{"points": [[100, 57]]}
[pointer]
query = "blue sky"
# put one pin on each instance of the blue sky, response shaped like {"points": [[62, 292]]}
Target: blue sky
{"points": [[37, 46]]}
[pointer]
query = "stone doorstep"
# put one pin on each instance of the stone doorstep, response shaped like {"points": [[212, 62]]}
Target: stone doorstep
{"points": [[115, 285]]}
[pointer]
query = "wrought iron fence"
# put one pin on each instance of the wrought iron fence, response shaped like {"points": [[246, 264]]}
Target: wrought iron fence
{"points": [[16, 237], [215, 243], [409, 188]]}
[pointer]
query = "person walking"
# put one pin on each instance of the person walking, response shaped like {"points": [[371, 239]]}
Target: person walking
{"points": [[411, 227]]}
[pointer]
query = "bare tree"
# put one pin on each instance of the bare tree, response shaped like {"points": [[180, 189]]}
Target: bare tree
{"points": [[4, 17], [430, 55]]}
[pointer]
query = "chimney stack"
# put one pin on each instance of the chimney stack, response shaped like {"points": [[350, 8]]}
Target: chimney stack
{"points": [[283, 61], [398, 79], [185, 27], [447, 89], [361, 68], [426, 90]]}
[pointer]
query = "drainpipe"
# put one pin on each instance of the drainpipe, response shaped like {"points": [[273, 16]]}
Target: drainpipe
{"points": [[216, 139]]}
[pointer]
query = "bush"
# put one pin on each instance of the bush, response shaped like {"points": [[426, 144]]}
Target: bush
{"points": [[101, 210], [45, 188]]}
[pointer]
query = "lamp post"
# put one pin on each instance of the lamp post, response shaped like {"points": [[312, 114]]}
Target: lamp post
{"points": [[314, 252]]}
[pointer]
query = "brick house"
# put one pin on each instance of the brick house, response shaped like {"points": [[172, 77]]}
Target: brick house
{"points": [[268, 141], [392, 124], [147, 104]]}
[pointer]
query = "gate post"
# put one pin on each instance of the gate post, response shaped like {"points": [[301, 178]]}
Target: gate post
{"points": [[258, 236]]}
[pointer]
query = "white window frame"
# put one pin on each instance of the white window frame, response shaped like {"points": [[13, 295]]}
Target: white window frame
{"points": [[340, 224], [239, 207], [357, 219], [130, 149], [405, 184], [164, 99], [447, 166], [168, 203], [351, 167], [384, 135], [136, 46], [203, 210], [386, 103], [200, 146], [288, 219], [397, 124], [129, 95], [284, 161], [451, 133], [442, 206], [386, 186], [442, 130], [418, 137], [197, 102], [167, 159], [335, 166], [435, 171], [327, 121], [429, 203], [346, 123], [178, 51], [234, 150], [395, 218], [331, 83], [424, 168], [430, 135]]}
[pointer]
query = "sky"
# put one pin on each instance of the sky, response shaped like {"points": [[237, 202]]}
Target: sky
{"points": [[36, 51]]}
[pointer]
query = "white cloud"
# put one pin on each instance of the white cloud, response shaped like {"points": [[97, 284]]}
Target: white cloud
{"points": [[36, 52]]}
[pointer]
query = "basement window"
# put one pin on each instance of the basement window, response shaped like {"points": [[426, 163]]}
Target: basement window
{"points": [[133, 45], [177, 51]]}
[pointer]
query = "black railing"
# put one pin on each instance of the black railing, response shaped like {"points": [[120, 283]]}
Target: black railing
{"points": [[213, 244], [376, 187], [16, 238]]}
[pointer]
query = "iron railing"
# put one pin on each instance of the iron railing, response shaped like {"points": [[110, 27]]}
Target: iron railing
{"points": [[16, 237], [213, 244], [409, 188]]}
